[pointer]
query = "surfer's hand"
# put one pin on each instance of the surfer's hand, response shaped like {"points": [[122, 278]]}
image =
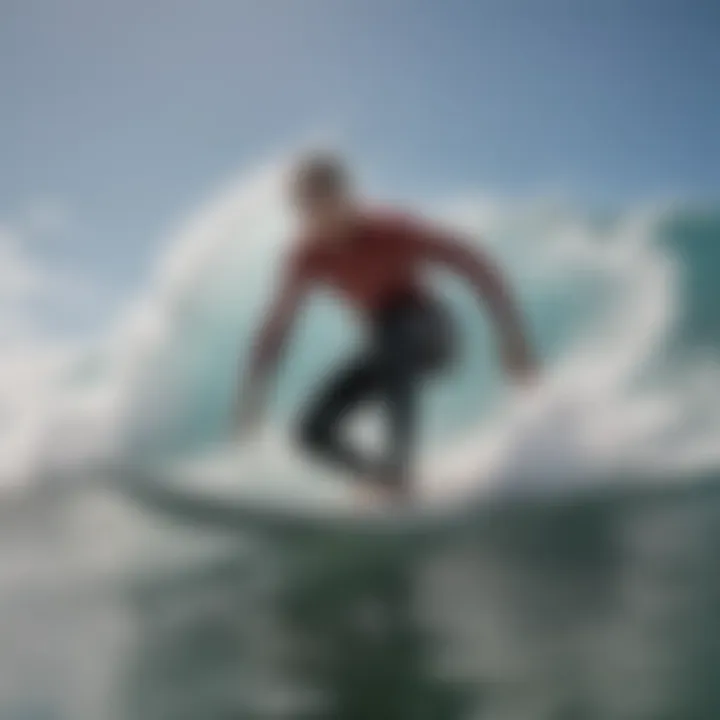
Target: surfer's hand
{"points": [[248, 422], [249, 412], [518, 360]]}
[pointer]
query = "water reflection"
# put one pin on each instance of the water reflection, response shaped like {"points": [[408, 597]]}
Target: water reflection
{"points": [[596, 610]]}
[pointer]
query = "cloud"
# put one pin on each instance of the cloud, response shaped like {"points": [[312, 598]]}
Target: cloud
{"points": [[46, 216], [20, 277], [33, 360], [34, 293]]}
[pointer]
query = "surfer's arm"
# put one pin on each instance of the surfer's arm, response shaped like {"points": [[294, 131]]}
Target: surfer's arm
{"points": [[271, 339], [493, 289]]}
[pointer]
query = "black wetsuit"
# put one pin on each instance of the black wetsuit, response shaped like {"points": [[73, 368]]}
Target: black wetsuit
{"points": [[410, 340]]}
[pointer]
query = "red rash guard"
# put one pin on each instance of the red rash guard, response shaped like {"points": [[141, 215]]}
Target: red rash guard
{"points": [[380, 262]]}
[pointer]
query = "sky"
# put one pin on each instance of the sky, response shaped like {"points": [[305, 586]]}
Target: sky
{"points": [[118, 117]]}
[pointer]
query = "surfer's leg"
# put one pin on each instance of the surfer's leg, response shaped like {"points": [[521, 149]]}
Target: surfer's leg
{"points": [[416, 343], [320, 426], [399, 398], [410, 344]]}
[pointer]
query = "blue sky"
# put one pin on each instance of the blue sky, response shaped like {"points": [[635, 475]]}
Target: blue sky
{"points": [[126, 114]]}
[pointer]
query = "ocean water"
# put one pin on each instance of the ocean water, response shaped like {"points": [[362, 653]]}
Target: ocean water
{"points": [[580, 582]]}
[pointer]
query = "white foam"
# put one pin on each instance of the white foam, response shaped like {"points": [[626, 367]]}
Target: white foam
{"points": [[588, 412]]}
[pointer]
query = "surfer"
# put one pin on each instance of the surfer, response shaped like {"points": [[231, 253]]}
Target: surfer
{"points": [[373, 259]]}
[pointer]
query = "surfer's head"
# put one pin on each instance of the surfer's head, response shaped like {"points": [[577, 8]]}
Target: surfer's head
{"points": [[322, 193]]}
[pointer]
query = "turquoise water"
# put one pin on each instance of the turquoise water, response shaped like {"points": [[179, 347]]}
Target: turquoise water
{"points": [[588, 591]]}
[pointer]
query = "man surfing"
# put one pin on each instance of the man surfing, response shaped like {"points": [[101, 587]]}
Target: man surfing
{"points": [[374, 261]]}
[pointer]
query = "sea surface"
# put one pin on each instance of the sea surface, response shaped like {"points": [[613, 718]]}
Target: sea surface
{"points": [[581, 583]]}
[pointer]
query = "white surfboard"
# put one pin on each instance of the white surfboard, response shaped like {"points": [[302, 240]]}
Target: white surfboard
{"points": [[229, 491]]}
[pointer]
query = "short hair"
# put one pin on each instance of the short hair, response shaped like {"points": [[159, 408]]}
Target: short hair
{"points": [[319, 174]]}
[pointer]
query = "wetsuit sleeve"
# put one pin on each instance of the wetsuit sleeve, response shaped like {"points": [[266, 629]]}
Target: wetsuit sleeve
{"points": [[278, 321]]}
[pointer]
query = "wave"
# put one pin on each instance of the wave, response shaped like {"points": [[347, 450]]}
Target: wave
{"points": [[623, 390]]}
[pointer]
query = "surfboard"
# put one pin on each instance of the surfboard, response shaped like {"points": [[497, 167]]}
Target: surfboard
{"points": [[222, 500]]}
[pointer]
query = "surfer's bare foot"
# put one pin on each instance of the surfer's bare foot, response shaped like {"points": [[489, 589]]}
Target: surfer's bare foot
{"points": [[399, 496], [375, 494], [397, 489], [371, 495]]}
